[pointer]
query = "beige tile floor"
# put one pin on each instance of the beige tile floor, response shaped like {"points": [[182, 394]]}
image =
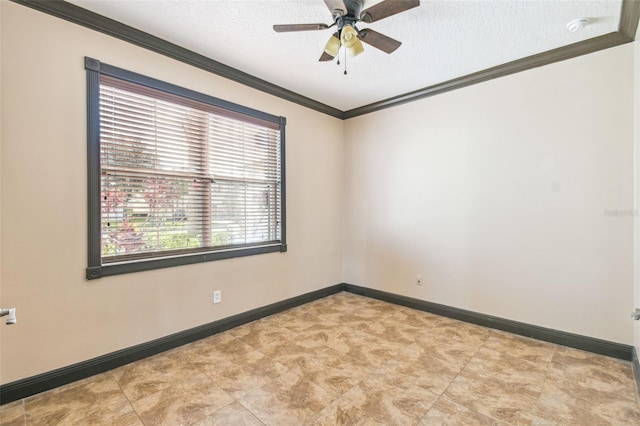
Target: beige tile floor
{"points": [[349, 360]]}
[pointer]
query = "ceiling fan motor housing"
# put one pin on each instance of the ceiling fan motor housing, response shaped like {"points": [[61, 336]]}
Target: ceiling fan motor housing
{"points": [[354, 9]]}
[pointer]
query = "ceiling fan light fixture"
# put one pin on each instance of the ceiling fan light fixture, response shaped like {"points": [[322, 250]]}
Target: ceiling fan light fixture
{"points": [[350, 40], [356, 49], [346, 14], [333, 45]]}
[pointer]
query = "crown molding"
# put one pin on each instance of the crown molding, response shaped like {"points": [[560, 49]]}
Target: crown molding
{"points": [[77, 15], [629, 17], [545, 58]]}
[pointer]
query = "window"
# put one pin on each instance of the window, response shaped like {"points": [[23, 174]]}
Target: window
{"points": [[176, 176]]}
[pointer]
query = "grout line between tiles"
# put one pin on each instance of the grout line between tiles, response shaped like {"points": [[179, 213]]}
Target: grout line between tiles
{"points": [[544, 382], [454, 379], [126, 396], [251, 412]]}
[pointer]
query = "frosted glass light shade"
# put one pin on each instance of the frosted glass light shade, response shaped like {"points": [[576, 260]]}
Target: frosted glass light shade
{"points": [[350, 41], [333, 45], [356, 49]]}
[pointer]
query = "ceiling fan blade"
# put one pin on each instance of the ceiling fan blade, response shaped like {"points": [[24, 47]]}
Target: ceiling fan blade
{"points": [[336, 5], [326, 57], [387, 8], [379, 41], [299, 27]]}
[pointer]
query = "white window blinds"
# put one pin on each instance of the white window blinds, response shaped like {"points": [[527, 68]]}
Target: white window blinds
{"points": [[179, 176]]}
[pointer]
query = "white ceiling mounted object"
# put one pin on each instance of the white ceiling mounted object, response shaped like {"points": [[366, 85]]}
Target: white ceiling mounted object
{"points": [[441, 39], [577, 24]]}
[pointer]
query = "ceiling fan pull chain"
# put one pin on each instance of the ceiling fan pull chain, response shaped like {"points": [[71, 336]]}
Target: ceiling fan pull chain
{"points": [[345, 61]]}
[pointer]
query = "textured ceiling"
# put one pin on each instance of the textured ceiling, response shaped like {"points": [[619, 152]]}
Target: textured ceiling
{"points": [[442, 40]]}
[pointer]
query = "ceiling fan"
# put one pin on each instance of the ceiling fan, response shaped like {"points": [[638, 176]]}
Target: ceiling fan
{"points": [[346, 14]]}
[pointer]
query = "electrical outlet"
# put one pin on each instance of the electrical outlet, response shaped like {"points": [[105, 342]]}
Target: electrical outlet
{"points": [[217, 296], [418, 279]]}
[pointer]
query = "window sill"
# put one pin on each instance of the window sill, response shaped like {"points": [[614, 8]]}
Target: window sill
{"points": [[95, 272]]}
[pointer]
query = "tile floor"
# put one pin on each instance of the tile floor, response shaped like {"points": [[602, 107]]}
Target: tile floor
{"points": [[349, 360]]}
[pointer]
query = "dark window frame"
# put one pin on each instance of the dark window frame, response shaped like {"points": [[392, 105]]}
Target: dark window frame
{"points": [[96, 268]]}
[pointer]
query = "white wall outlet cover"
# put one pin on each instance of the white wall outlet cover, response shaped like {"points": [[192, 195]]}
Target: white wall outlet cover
{"points": [[217, 296]]}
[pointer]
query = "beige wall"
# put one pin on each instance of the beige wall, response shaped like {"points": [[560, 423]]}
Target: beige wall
{"points": [[62, 318], [497, 195]]}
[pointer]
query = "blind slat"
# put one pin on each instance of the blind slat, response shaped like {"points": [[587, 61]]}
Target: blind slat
{"points": [[181, 176]]}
